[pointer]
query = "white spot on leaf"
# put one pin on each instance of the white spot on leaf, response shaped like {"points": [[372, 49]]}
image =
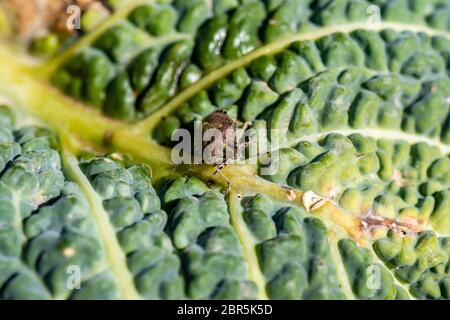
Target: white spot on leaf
{"points": [[311, 201]]}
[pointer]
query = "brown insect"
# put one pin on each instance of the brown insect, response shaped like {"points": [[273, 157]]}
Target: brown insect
{"points": [[227, 127]]}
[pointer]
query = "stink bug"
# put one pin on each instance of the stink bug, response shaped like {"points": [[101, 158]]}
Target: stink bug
{"points": [[225, 147]]}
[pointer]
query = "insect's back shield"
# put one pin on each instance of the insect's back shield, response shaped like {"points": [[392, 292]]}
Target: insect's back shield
{"points": [[213, 146], [219, 139]]}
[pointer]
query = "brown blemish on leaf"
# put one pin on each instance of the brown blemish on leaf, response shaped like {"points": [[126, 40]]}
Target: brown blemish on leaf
{"points": [[371, 221], [108, 137], [291, 194]]}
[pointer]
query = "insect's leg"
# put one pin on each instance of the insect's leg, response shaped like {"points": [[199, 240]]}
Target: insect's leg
{"points": [[218, 167], [226, 180], [246, 125], [240, 148]]}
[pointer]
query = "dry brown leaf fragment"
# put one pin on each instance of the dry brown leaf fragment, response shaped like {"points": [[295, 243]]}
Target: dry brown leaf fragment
{"points": [[33, 18]]}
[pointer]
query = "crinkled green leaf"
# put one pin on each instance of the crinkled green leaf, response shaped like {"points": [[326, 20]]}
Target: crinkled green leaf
{"points": [[358, 206]]}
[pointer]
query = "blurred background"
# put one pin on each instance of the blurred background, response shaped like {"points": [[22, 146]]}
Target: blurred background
{"points": [[44, 23]]}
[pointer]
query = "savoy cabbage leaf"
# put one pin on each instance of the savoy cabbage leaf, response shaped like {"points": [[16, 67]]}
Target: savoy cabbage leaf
{"points": [[93, 207]]}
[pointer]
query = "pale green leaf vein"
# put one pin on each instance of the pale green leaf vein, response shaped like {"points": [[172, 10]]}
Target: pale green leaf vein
{"points": [[149, 123], [114, 254]]}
